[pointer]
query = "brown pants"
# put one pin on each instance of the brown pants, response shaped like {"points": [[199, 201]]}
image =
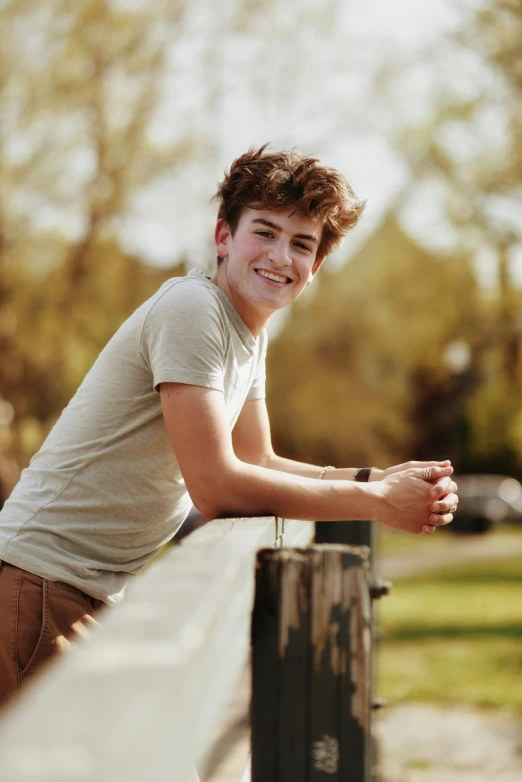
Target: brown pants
{"points": [[38, 620]]}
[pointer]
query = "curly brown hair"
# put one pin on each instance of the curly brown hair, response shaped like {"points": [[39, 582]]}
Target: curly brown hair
{"points": [[290, 180]]}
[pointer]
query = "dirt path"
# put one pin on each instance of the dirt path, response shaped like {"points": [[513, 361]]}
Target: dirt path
{"points": [[424, 743], [462, 549], [420, 743]]}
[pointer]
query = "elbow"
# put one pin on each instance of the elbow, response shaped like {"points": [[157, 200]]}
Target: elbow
{"points": [[225, 496], [221, 508], [203, 502], [207, 509], [213, 499]]}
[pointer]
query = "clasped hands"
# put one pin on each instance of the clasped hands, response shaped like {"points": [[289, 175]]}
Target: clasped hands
{"points": [[443, 496]]}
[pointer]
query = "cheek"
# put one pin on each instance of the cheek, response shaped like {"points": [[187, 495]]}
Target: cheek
{"points": [[305, 270], [248, 249], [253, 247]]}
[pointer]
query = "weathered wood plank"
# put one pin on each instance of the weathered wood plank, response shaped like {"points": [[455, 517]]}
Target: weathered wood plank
{"points": [[325, 609], [311, 658], [265, 668], [294, 656], [138, 702], [356, 635]]}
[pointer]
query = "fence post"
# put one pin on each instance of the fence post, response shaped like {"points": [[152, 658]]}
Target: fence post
{"points": [[351, 533], [311, 661]]}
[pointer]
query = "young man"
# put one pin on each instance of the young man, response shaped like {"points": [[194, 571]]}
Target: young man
{"points": [[173, 412]]}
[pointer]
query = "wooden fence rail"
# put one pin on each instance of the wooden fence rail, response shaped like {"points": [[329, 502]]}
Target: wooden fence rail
{"points": [[139, 701]]}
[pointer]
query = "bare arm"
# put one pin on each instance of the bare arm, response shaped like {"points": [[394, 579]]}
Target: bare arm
{"points": [[252, 443], [221, 483]]}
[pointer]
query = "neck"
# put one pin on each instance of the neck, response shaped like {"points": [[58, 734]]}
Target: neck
{"points": [[255, 321]]}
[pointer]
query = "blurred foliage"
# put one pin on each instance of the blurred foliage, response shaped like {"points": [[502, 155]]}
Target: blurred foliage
{"points": [[374, 334], [474, 145], [78, 88], [363, 373]]}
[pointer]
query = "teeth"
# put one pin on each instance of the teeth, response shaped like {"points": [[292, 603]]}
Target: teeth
{"points": [[271, 276]]}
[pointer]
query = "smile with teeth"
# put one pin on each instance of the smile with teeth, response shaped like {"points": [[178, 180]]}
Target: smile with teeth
{"points": [[272, 276]]}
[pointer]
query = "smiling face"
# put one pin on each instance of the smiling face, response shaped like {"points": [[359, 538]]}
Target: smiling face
{"points": [[267, 263]]}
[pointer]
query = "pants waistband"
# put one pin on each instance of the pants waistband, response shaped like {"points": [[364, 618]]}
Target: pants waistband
{"points": [[61, 584]]}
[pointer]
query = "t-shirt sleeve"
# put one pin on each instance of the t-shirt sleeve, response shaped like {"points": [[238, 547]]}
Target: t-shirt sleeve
{"points": [[258, 387], [184, 338]]}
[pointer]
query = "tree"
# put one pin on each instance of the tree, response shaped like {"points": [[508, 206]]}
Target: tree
{"points": [[79, 84], [353, 365], [466, 152]]}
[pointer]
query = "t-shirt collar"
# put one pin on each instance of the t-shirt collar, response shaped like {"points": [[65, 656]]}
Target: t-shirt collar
{"points": [[246, 336]]}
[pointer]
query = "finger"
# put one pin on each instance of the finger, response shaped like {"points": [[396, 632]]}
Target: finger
{"points": [[432, 473], [441, 487], [446, 463], [429, 529], [433, 463], [440, 519], [444, 482], [445, 504]]}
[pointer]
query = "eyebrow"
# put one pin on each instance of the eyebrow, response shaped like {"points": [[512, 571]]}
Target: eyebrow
{"points": [[310, 237]]}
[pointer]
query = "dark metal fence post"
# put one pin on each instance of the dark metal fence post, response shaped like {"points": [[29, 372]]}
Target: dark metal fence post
{"points": [[311, 694], [351, 533]]}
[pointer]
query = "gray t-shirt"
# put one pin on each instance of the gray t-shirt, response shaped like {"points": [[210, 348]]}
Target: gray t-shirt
{"points": [[105, 491]]}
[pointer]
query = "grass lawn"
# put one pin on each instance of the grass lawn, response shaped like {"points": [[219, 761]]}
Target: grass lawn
{"points": [[454, 635], [391, 541]]}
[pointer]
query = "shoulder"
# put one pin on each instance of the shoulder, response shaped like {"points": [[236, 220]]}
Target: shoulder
{"points": [[194, 288], [185, 316], [190, 298]]}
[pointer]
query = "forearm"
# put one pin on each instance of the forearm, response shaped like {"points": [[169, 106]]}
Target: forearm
{"points": [[253, 490], [313, 471]]}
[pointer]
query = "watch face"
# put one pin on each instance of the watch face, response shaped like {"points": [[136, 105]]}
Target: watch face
{"points": [[362, 474]]}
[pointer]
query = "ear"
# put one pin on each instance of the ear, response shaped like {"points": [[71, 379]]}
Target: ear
{"points": [[221, 237], [315, 269]]}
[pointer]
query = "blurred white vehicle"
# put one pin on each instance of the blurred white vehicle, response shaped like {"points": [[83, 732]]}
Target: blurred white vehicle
{"points": [[486, 500]]}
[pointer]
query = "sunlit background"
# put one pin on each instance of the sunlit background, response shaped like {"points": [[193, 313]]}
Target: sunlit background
{"points": [[117, 120]]}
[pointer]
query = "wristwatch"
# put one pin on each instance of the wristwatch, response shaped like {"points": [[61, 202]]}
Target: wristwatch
{"points": [[362, 474]]}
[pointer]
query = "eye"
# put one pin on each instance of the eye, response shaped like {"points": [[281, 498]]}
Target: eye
{"points": [[265, 234], [303, 247]]}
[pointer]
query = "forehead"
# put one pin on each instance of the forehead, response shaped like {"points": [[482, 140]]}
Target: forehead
{"points": [[289, 221]]}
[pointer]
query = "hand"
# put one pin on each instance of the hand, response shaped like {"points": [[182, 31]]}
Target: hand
{"points": [[444, 501], [448, 501], [378, 475], [408, 502]]}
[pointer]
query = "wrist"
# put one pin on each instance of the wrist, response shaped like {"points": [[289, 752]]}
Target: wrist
{"points": [[376, 475], [374, 499]]}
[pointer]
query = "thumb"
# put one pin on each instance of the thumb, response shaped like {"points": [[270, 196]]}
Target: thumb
{"points": [[431, 473]]}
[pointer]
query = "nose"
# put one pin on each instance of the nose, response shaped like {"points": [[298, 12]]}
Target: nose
{"points": [[279, 253]]}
